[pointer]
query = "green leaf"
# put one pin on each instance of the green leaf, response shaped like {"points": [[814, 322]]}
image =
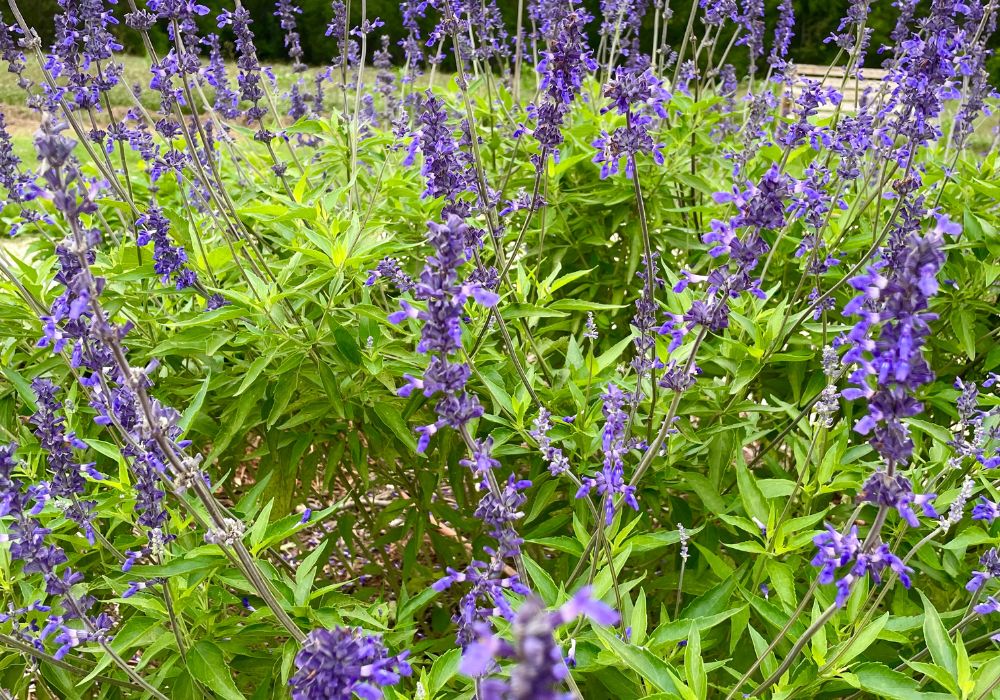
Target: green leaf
{"points": [[768, 665], [63, 681], [207, 663], [935, 431], [234, 421], [287, 387], [569, 277], [192, 410], [886, 683], [720, 567], [862, 641], [499, 393], [445, 668], [21, 386], [412, 606], [712, 601], [280, 530], [305, 574], [611, 355], [750, 494], [672, 632], [694, 666], [938, 642], [348, 345], [936, 674], [248, 504], [260, 524], [964, 675], [560, 544], [132, 633], [202, 562], [969, 537], [393, 420], [986, 676], [256, 367], [544, 584], [751, 547], [707, 491], [107, 449], [963, 321], [578, 305], [775, 616], [639, 619], [650, 667], [651, 541], [516, 310], [695, 181]]}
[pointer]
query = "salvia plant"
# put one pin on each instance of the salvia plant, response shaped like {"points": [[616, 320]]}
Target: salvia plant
{"points": [[525, 350]]}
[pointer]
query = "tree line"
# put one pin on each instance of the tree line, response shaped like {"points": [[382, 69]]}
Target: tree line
{"points": [[815, 20]]}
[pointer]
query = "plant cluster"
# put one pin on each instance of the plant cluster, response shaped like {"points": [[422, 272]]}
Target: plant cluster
{"points": [[584, 371]]}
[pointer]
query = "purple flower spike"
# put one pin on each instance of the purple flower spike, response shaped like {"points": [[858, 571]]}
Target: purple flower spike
{"points": [[783, 32], [834, 551], [445, 166], [286, 11], [67, 473], [897, 492], [539, 669], [991, 605], [562, 70], [339, 663], [639, 97], [583, 604], [170, 261], [610, 481], [991, 570], [887, 341], [986, 510], [554, 457], [250, 73], [441, 336]]}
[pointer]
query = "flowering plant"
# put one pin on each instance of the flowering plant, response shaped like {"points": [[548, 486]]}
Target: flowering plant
{"points": [[499, 358]]}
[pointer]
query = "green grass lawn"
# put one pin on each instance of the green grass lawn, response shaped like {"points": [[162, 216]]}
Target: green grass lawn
{"points": [[22, 121], [136, 71]]}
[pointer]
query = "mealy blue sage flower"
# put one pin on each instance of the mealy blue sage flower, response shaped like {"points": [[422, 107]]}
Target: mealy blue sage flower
{"points": [[341, 663], [286, 11], [554, 458], [445, 168], [445, 295], [539, 669], [990, 562], [784, 30], [986, 510], [250, 73], [169, 260], [896, 491], [837, 552], [226, 101], [30, 545], [562, 70], [610, 481], [633, 94], [68, 483], [886, 343]]}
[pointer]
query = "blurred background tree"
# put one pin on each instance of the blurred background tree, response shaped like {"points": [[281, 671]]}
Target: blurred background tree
{"points": [[815, 20]]}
